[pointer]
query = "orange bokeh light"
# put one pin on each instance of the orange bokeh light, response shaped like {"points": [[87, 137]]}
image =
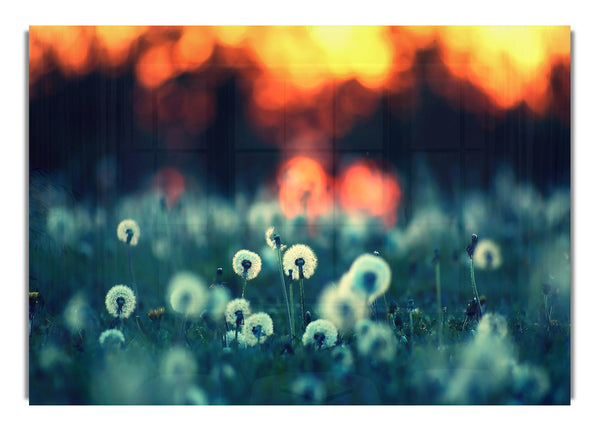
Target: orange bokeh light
{"points": [[304, 188], [169, 183], [364, 187]]}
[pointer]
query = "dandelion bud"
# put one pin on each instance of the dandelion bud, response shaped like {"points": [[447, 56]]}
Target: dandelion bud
{"points": [[219, 272], [376, 253], [411, 304], [436, 256], [307, 318]]}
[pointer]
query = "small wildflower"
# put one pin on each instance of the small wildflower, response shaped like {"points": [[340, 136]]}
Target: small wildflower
{"points": [[236, 311], [369, 276], [247, 264], [187, 294], [321, 334], [111, 337], [300, 261], [257, 328], [120, 301], [128, 231], [156, 314], [487, 255]]}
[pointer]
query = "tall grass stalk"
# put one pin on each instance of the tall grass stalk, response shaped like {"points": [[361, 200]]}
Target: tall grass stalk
{"points": [[285, 297]]}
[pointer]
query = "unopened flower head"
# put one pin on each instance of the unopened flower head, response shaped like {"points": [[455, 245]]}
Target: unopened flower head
{"points": [[247, 264], [273, 239], [300, 260], [377, 343], [178, 365], [487, 255], [128, 231], [120, 301], [321, 334], [257, 328], [369, 276], [342, 307], [111, 337], [187, 294], [237, 311]]}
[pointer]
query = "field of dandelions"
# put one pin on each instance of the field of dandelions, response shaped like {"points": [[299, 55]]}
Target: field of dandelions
{"points": [[207, 302]]}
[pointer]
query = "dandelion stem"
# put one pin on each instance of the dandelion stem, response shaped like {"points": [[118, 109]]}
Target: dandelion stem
{"points": [[285, 298], [293, 317], [244, 287], [480, 311], [410, 324], [131, 270], [438, 286], [302, 306]]}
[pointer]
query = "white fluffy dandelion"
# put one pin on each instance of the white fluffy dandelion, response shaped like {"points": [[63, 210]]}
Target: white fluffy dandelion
{"points": [[128, 231], [270, 239], [297, 258], [377, 342], [320, 334], [369, 276], [111, 337], [187, 294], [342, 307], [247, 264], [120, 301], [308, 389], [236, 311], [487, 255], [257, 328]]}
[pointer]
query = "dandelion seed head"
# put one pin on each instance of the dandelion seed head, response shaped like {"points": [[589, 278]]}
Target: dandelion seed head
{"points": [[369, 276], [61, 225], [128, 231], [320, 334], [273, 240], [120, 301], [111, 337], [377, 342], [77, 313], [487, 255], [342, 307], [235, 308], [187, 294], [247, 264], [257, 328], [300, 255]]}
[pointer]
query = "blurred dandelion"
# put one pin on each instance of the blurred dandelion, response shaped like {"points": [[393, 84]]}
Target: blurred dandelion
{"points": [[309, 389], [273, 239], [257, 328], [120, 301], [342, 307], [236, 312], [369, 276], [178, 366], [376, 341], [320, 334], [187, 294], [111, 337], [487, 255], [231, 338]]}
